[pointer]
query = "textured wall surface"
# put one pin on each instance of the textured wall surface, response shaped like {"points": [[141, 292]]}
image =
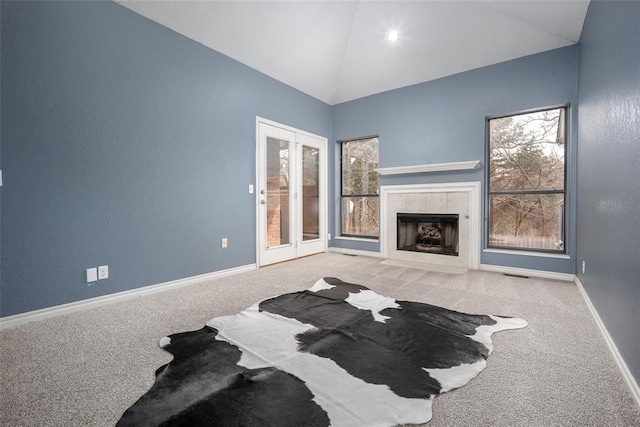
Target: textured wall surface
{"points": [[444, 121], [124, 143], [609, 170]]}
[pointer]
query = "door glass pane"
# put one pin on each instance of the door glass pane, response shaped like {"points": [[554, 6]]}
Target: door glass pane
{"points": [[310, 193], [277, 192]]}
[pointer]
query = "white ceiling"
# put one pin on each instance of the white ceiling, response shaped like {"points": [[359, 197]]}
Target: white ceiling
{"points": [[337, 51]]}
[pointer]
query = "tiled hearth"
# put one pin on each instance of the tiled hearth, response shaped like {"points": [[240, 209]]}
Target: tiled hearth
{"points": [[462, 198]]}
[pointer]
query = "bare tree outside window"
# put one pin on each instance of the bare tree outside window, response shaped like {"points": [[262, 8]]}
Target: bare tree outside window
{"points": [[526, 190], [359, 192]]}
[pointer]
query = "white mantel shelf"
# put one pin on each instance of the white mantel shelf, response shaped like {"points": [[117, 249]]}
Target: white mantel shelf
{"points": [[434, 167]]}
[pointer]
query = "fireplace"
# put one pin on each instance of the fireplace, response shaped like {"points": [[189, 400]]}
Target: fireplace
{"points": [[460, 199], [427, 233]]}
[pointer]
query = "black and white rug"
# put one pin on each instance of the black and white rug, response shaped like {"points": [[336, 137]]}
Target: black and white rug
{"points": [[336, 354]]}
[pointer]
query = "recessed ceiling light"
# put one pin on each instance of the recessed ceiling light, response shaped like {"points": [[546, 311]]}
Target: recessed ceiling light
{"points": [[393, 35]]}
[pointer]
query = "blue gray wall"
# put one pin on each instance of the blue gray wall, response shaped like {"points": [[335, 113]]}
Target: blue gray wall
{"points": [[609, 170], [124, 143], [444, 121]]}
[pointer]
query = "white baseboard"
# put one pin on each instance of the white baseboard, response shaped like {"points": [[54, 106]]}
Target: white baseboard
{"points": [[528, 272], [624, 369], [58, 310], [347, 251]]}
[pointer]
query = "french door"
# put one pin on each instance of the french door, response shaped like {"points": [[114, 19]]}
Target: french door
{"points": [[292, 193]]}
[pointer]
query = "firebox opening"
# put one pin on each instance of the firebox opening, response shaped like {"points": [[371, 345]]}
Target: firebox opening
{"points": [[428, 233]]}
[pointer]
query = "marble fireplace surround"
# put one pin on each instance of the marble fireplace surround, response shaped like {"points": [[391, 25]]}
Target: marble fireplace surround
{"points": [[462, 198]]}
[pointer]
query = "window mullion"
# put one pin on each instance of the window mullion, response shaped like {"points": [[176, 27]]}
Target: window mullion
{"points": [[491, 193]]}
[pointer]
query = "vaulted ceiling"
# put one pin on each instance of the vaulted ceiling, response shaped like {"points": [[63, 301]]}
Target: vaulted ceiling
{"points": [[337, 51]]}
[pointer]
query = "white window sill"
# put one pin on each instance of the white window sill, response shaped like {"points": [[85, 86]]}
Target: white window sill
{"points": [[527, 253], [356, 239]]}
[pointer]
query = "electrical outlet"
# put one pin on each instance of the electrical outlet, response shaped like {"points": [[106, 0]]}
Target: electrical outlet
{"points": [[225, 242], [103, 272], [584, 266], [92, 275]]}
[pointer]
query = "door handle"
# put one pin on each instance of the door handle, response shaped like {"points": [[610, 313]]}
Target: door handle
{"points": [[262, 202]]}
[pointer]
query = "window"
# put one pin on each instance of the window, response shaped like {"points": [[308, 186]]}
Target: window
{"points": [[526, 182], [359, 187]]}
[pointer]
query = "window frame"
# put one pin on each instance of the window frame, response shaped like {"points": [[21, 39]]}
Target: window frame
{"points": [[564, 191], [343, 196]]}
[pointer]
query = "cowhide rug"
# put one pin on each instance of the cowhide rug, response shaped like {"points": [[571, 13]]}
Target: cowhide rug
{"points": [[336, 354]]}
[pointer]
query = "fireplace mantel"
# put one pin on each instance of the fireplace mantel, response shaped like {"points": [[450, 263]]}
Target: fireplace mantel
{"points": [[433, 167]]}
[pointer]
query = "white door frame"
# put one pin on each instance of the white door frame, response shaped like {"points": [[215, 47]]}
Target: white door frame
{"points": [[301, 247]]}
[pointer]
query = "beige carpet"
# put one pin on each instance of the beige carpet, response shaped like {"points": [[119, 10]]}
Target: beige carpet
{"points": [[88, 367]]}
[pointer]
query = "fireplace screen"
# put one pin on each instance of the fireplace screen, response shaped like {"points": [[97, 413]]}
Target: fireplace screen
{"points": [[429, 233]]}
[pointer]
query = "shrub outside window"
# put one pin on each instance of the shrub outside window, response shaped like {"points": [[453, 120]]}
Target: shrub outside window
{"points": [[359, 187], [526, 181]]}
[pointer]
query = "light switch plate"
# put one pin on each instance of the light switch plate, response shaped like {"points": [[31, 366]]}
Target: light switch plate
{"points": [[250, 188], [92, 275]]}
